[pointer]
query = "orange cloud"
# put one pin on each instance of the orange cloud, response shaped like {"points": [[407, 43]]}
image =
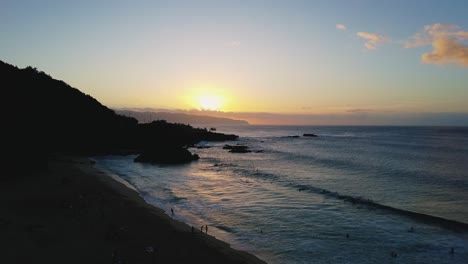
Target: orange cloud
{"points": [[447, 41], [372, 40], [340, 27]]}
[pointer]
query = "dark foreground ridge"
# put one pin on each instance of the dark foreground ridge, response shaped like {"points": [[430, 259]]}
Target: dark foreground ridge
{"points": [[49, 116]]}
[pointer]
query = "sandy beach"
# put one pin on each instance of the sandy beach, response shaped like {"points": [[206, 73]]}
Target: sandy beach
{"points": [[74, 213]]}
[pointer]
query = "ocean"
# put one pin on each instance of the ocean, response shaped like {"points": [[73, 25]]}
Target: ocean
{"points": [[350, 195]]}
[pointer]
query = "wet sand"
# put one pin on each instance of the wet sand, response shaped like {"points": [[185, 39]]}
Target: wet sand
{"points": [[74, 213]]}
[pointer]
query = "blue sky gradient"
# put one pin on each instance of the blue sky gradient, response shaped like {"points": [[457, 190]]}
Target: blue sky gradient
{"points": [[260, 56]]}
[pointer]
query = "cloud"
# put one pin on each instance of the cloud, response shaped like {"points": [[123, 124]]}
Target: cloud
{"points": [[234, 44], [340, 27], [372, 40], [447, 42]]}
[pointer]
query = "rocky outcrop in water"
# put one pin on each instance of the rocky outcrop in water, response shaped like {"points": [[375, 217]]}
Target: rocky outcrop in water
{"points": [[237, 148], [167, 156]]}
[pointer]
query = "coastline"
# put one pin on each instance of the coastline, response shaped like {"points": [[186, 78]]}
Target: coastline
{"points": [[75, 213]]}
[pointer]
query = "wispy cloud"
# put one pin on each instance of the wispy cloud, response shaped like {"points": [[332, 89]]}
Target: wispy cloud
{"points": [[234, 44], [372, 40], [340, 27], [447, 41]]}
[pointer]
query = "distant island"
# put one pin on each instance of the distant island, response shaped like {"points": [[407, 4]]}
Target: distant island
{"points": [[194, 120]]}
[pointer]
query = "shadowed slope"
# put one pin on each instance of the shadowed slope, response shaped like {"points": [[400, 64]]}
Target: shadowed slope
{"points": [[44, 116]]}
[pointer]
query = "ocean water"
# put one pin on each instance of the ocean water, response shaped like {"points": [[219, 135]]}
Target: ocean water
{"points": [[318, 199]]}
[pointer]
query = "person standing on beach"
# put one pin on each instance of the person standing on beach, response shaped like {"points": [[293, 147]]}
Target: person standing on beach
{"points": [[206, 229], [201, 229], [172, 212]]}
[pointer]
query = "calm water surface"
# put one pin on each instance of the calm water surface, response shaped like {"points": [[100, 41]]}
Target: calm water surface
{"points": [[284, 201]]}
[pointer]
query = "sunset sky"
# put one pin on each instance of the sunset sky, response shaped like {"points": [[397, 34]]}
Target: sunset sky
{"points": [[295, 57]]}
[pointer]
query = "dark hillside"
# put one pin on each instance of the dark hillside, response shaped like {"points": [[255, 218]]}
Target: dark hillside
{"points": [[43, 116], [56, 116]]}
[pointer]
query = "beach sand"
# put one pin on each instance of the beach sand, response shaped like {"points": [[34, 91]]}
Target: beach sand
{"points": [[73, 213]]}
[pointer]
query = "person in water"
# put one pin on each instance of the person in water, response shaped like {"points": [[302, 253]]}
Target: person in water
{"points": [[172, 212]]}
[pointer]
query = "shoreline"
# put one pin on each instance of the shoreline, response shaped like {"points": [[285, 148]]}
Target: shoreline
{"points": [[75, 213]]}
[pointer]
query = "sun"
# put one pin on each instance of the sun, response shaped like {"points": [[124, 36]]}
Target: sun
{"points": [[210, 102]]}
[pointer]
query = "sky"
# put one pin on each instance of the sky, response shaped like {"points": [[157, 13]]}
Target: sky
{"points": [[295, 58]]}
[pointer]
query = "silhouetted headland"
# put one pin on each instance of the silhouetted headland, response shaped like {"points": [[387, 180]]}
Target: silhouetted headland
{"points": [[49, 116], [162, 142], [62, 210]]}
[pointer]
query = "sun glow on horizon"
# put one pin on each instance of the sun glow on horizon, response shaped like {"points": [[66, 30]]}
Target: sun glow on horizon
{"points": [[210, 102]]}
